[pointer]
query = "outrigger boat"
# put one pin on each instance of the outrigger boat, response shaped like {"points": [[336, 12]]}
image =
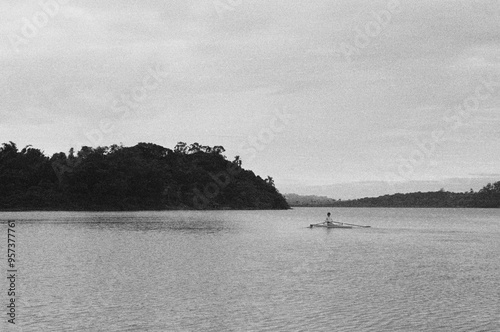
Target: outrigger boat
{"points": [[329, 226]]}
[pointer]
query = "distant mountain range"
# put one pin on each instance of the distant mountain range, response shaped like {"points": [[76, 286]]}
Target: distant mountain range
{"points": [[375, 188], [487, 197]]}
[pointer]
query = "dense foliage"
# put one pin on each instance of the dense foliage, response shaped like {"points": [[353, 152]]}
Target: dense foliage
{"points": [[487, 197], [308, 200], [146, 176]]}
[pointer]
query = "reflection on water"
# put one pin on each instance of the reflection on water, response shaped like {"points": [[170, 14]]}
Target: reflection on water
{"points": [[129, 221], [414, 270], [180, 225]]}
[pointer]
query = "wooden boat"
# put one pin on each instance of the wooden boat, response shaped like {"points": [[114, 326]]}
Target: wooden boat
{"points": [[329, 226]]}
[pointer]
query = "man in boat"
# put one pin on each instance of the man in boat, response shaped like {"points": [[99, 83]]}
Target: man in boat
{"points": [[328, 220]]}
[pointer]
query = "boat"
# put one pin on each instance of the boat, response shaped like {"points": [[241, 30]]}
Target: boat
{"points": [[329, 226]]}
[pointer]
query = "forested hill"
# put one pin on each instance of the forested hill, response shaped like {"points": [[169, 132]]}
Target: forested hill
{"points": [[308, 200], [487, 197], [142, 177]]}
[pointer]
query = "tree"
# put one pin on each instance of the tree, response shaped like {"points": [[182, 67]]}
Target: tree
{"points": [[218, 149], [180, 148], [237, 161], [195, 147], [487, 189], [270, 181], [8, 150]]}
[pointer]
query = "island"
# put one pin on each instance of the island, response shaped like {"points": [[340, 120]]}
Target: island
{"points": [[309, 200], [487, 197], [143, 177]]}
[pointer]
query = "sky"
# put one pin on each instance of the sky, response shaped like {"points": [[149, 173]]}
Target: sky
{"points": [[344, 99]]}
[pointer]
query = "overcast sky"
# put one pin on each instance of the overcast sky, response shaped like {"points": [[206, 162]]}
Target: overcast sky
{"points": [[339, 98]]}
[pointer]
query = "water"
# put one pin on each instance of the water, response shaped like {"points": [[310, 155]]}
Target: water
{"points": [[414, 270]]}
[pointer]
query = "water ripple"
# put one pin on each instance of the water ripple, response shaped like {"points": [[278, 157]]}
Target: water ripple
{"points": [[425, 270]]}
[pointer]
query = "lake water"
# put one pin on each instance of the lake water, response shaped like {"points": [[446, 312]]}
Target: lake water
{"points": [[414, 270]]}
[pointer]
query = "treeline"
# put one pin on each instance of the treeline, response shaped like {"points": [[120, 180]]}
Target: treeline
{"points": [[487, 197], [143, 177], [308, 200]]}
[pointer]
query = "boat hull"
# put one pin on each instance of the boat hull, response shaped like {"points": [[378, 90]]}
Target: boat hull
{"points": [[329, 226]]}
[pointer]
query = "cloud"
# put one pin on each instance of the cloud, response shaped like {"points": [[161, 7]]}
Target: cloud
{"points": [[354, 116]]}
